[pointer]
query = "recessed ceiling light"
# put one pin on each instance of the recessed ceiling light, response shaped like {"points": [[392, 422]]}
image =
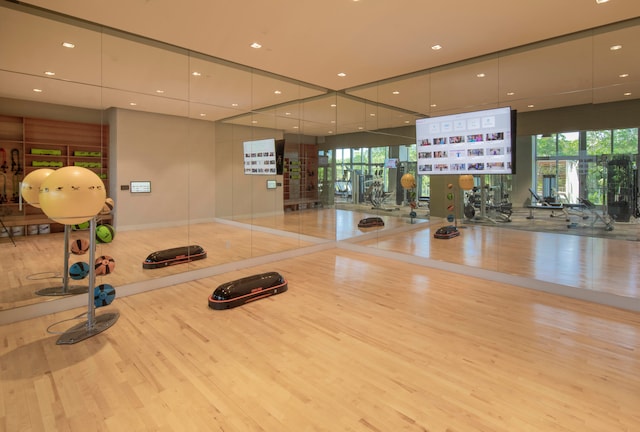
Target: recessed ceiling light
{"points": [[68, 45], [433, 105], [624, 75], [360, 128], [196, 73], [530, 106], [37, 90], [160, 91], [396, 92], [254, 121], [481, 75], [627, 94], [407, 122], [333, 105], [342, 74], [615, 47], [436, 47], [372, 114], [256, 45], [133, 103], [602, 1], [49, 73], [333, 122], [203, 115], [330, 132], [234, 104], [510, 93], [277, 92], [287, 113]]}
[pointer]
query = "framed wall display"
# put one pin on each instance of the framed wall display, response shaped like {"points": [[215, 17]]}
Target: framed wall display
{"points": [[271, 184]]}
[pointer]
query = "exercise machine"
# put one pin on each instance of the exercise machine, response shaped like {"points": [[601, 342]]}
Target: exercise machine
{"points": [[601, 216], [375, 193], [482, 199], [621, 190], [537, 203]]}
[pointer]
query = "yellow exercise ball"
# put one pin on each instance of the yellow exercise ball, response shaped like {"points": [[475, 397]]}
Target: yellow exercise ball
{"points": [[465, 182], [408, 181], [72, 195], [31, 183]]}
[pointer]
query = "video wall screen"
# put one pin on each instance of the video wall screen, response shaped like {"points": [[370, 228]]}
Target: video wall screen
{"points": [[479, 142], [260, 157]]}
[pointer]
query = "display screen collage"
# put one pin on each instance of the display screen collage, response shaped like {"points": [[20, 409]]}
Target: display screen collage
{"points": [[260, 157], [470, 143]]}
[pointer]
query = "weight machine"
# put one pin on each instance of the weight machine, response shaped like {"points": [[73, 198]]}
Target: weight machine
{"points": [[490, 210]]}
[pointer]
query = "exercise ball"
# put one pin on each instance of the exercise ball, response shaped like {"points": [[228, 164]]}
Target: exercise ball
{"points": [[408, 181], [108, 206], [465, 182], [105, 233], [72, 195], [31, 183]]}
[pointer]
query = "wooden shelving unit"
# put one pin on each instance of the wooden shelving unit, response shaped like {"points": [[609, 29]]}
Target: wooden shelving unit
{"points": [[300, 177], [28, 144]]}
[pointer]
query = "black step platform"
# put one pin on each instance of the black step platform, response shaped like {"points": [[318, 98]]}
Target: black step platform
{"points": [[248, 289], [370, 222], [174, 256], [447, 232]]}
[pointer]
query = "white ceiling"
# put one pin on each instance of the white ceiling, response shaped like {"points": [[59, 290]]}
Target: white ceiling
{"points": [[312, 41]]}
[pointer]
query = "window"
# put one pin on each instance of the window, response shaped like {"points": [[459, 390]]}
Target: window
{"points": [[625, 141], [598, 142], [570, 165], [545, 146], [569, 144]]}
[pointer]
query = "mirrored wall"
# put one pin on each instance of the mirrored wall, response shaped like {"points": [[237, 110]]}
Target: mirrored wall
{"points": [[158, 112], [179, 120]]}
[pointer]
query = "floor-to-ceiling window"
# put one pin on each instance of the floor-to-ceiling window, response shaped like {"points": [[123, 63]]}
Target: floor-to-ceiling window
{"points": [[577, 165]]}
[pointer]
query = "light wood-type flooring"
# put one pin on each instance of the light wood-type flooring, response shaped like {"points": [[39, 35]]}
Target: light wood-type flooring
{"points": [[595, 264], [36, 262], [359, 342]]}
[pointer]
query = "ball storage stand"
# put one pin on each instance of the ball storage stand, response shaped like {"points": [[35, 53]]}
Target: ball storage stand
{"points": [[94, 324], [65, 289], [449, 231]]}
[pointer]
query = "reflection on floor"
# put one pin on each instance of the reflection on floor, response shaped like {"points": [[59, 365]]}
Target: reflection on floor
{"points": [[37, 262], [592, 264]]}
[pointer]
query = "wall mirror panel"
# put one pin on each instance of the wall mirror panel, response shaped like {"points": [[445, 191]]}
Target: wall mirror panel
{"points": [[179, 119], [157, 106], [578, 82]]}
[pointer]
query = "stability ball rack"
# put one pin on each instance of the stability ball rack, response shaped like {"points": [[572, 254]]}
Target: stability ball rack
{"points": [[94, 324]]}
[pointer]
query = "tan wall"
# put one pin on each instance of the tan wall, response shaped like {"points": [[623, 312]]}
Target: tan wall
{"points": [[176, 154], [240, 196]]}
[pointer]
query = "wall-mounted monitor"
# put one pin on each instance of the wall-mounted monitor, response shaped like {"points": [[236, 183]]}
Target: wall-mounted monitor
{"points": [[391, 163], [260, 157], [479, 142], [140, 186]]}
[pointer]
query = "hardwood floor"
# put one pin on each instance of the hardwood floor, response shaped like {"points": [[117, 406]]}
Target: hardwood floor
{"points": [[358, 343], [595, 264], [36, 262], [598, 265]]}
